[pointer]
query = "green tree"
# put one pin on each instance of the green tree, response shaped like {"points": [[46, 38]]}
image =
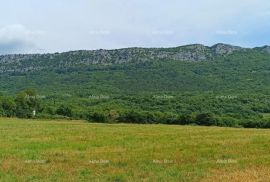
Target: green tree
{"points": [[64, 111], [97, 117], [8, 107], [27, 102], [206, 119]]}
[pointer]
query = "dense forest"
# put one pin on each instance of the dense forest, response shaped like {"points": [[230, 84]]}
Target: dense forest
{"points": [[221, 85]]}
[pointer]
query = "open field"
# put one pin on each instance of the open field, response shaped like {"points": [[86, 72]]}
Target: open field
{"points": [[34, 150]]}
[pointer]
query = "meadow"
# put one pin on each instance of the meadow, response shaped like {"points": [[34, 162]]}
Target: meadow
{"points": [[66, 150]]}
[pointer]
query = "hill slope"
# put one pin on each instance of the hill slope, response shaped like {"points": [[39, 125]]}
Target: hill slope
{"points": [[226, 80], [186, 68]]}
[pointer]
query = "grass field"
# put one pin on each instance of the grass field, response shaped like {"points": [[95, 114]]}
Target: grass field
{"points": [[35, 150]]}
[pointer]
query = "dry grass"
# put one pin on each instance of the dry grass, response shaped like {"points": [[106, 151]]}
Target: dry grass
{"points": [[252, 174]]}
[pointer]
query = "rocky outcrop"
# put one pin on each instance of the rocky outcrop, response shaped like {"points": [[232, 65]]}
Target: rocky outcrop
{"points": [[266, 49], [224, 49], [35, 62]]}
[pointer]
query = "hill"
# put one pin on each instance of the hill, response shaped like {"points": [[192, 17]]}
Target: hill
{"points": [[185, 68], [225, 80]]}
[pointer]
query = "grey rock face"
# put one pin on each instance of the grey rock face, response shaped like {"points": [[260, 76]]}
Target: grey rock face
{"points": [[224, 49], [266, 49], [35, 62]]}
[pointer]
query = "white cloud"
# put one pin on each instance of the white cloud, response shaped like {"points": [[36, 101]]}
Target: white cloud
{"points": [[111, 24], [18, 31], [17, 38]]}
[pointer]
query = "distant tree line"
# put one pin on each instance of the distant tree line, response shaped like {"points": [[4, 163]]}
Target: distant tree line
{"points": [[27, 104], [202, 119]]}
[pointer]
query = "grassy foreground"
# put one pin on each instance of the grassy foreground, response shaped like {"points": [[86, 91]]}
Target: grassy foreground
{"points": [[32, 150]]}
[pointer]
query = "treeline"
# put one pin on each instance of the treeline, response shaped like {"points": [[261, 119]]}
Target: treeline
{"points": [[202, 119], [27, 104]]}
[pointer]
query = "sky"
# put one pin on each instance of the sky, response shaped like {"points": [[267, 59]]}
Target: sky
{"points": [[46, 26]]}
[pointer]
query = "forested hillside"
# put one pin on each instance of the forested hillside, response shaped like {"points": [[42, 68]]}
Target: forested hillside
{"points": [[192, 84]]}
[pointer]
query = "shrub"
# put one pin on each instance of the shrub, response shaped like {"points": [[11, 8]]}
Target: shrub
{"points": [[64, 111], [131, 117], [97, 117], [254, 124], [140, 117], [184, 119], [267, 123], [7, 108], [206, 119], [227, 121]]}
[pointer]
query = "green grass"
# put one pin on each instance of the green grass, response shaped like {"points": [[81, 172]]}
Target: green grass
{"points": [[36, 150], [266, 115]]}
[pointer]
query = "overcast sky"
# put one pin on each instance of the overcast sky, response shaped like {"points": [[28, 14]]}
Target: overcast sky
{"points": [[29, 26]]}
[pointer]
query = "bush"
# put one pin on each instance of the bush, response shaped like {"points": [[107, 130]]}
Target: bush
{"points": [[170, 119], [267, 123], [140, 117], [48, 110], [254, 124], [97, 117], [227, 122], [7, 108], [131, 117], [184, 119], [64, 111], [206, 119]]}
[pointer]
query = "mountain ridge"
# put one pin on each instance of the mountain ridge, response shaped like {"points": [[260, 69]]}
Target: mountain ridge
{"points": [[181, 46], [194, 52]]}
